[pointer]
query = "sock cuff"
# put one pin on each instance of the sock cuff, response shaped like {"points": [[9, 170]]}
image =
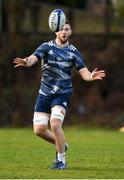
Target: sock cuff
{"points": [[61, 154]]}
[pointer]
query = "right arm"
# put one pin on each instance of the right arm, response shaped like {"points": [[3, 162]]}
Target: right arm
{"points": [[26, 62]]}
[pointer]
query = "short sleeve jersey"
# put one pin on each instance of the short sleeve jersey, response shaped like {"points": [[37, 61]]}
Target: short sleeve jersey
{"points": [[57, 64]]}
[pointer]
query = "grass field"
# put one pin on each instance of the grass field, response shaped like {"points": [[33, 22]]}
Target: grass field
{"points": [[93, 153]]}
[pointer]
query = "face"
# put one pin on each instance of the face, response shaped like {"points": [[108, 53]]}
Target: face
{"points": [[64, 34]]}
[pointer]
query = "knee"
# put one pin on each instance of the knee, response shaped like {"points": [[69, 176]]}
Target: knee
{"points": [[40, 121], [40, 130]]}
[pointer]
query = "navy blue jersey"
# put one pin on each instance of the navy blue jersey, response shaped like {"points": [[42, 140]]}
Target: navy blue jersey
{"points": [[57, 64]]}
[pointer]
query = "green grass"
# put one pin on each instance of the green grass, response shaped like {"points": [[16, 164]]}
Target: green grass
{"points": [[93, 153]]}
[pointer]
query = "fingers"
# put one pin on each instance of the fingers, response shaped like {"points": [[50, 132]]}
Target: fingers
{"points": [[95, 70], [100, 72], [98, 75], [17, 65], [19, 62], [98, 78]]}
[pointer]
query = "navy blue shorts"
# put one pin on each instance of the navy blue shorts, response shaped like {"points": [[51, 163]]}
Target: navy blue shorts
{"points": [[45, 103]]}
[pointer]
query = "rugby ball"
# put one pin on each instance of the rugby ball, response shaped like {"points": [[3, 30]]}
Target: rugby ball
{"points": [[57, 20]]}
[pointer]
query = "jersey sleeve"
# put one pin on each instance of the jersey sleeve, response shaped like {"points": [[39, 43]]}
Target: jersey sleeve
{"points": [[41, 51], [79, 60]]}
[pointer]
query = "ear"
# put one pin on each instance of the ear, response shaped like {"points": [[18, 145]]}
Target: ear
{"points": [[70, 33], [56, 33]]}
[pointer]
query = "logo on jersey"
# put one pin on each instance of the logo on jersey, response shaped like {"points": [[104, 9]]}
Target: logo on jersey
{"points": [[64, 103], [70, 55], [55, 88], [51, 52]]}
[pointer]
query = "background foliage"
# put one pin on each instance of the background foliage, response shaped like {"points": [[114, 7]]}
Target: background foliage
{"points": [[19, 87], [25, 27]]}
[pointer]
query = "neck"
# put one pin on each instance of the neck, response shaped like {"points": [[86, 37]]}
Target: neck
{"points": [[60, 43]]}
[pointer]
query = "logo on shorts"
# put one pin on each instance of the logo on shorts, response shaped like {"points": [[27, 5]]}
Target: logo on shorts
{"points": [[64, 103]]}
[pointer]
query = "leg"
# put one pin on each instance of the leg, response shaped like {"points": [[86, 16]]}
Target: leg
{"points": [[41, 127], [56, 126], [57, 117]]}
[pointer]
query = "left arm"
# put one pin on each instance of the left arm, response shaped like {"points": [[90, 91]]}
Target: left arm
{"points": [[91, 76]]}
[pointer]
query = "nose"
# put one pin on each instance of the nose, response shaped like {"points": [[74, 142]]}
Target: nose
{"points": [[63, 31]]}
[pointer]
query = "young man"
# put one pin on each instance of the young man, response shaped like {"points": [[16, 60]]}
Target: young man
{"points": [[58, 57]]}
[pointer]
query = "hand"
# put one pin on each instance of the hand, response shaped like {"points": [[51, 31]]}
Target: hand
{"points": [[20, 62], [98, 75]]}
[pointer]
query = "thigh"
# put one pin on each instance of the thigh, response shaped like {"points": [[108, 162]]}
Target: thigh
{"points": [[40, 120], [62, 100], [43, 104]]}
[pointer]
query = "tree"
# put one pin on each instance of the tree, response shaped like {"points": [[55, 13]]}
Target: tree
{"points": [[108, 15]]}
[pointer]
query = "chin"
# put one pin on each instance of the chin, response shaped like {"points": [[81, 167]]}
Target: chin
{"points": [[64, 41]]}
